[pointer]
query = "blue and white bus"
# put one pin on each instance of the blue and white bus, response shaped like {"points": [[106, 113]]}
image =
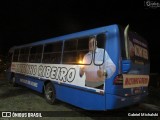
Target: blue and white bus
{"points": [[99, 69]]}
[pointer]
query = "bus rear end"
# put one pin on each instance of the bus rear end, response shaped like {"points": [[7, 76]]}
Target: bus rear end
{"points": [[130, 85]]}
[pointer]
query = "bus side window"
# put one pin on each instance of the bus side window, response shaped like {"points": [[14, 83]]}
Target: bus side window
{"points": [[75, 50], [15, 55], [82, 49], [52, 53], [70, 52], [35, 54], [24, 52]]}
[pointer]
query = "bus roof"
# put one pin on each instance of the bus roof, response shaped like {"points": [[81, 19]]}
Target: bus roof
{"points": [[110, 28]]}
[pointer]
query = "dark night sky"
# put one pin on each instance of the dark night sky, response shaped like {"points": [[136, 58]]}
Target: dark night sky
{"points": [[24, 21]]}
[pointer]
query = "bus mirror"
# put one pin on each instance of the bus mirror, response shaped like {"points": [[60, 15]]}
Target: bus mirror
{"points": [[126, 40]]}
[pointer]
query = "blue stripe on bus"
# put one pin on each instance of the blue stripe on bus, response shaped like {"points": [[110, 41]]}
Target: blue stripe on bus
{"points": [[31, 83]]}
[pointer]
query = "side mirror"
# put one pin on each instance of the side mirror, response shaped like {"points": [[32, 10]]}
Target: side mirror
{"points": [[126, 40]]}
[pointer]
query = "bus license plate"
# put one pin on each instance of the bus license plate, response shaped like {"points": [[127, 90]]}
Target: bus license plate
{"points": [[136, 90]]}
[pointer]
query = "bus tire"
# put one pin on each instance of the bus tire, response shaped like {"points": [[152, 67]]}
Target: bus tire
{"points": [[14, 81], [50, 93]]}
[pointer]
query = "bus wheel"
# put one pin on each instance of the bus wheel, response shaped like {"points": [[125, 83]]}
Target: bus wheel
{"points": [[50, 93], [14, 82]]}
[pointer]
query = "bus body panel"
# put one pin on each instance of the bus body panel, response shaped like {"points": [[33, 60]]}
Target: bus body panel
{"points": [[113, 49], [30, 82], [126, 65], [81, 98]]}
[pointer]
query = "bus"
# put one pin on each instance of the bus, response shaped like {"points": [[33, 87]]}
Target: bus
{"points": [[98, 69]]}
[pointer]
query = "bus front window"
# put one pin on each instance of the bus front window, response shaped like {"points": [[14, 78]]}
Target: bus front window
{"points": [[135, 47]]}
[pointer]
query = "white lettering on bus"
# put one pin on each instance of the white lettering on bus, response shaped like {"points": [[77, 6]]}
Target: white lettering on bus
{"points": [[71, 74], [29, 82], [26, 69], [54, 72], [60, 73]]}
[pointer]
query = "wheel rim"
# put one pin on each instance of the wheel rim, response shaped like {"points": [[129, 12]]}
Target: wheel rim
{"points": [[14, 79], [49, 93]]}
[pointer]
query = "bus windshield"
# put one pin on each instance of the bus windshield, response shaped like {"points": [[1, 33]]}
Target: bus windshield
{"points": [[135, 47]]}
